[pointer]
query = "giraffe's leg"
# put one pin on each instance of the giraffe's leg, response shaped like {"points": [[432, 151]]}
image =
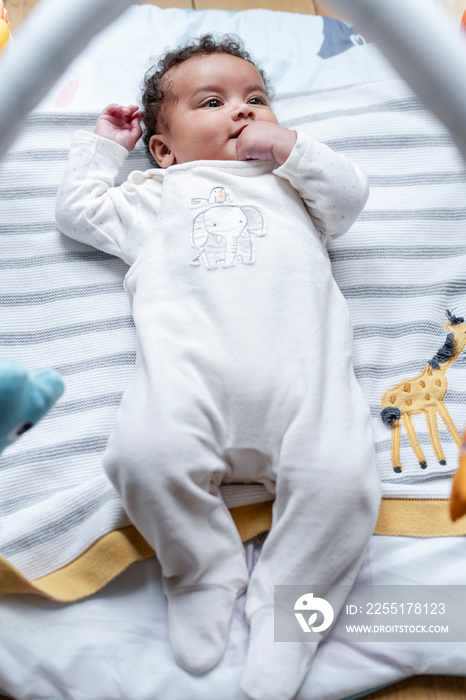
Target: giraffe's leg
{"points": [[447, 419], [431, 418], [396, 433], [408, 423]]}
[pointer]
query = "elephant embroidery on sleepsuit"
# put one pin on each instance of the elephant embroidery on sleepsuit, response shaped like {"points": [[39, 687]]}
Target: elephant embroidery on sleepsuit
{"points": [[224, 233]]}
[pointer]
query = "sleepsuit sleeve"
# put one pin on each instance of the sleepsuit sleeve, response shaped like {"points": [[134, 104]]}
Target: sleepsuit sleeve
{"points": [[91, 209], [333, 188]]}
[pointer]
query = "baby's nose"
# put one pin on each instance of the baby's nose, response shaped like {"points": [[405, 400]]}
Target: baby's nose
{"points": [[244, 111]]}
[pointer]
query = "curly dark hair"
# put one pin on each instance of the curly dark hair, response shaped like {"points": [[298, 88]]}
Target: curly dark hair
{"points": [[156, 95]]}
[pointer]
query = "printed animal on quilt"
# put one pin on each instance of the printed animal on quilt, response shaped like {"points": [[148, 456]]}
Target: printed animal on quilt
{"points": [[425, 394], [458, 489], [25, 398]]}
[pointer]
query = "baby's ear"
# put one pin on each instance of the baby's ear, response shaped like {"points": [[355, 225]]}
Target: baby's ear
{"points": [[163, 155]]}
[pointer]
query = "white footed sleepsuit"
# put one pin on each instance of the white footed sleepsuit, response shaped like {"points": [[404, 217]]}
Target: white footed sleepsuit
{"points": [[243, 374]]}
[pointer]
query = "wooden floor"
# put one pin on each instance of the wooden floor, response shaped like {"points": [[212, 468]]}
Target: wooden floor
{"points": [[419, 687], [18, 9]]}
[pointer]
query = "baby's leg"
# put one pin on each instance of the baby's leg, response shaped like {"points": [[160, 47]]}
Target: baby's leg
{"points": [[327, 499], [165, 464]]}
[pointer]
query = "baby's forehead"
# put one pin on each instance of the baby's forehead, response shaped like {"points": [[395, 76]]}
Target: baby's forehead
{"points": [[208, 68]]}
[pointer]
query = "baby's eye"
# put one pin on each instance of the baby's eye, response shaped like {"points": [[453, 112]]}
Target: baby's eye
{"points": [[212, 103], [256, 101]]}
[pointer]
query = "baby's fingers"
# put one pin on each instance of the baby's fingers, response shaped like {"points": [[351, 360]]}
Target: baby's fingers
{"points": [[134, 109], [122, 112], [114, 109]]}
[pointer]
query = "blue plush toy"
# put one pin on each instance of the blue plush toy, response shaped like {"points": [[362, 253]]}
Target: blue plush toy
{"points": [[25, 398]]}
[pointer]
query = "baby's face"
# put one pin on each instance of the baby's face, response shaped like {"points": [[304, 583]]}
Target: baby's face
{"points": [[215, 97]]}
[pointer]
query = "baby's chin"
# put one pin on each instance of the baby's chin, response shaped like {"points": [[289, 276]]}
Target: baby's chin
{"points": [[226, 153], [216, 158]]}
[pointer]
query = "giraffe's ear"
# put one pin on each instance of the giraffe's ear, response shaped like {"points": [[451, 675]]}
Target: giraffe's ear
{"points": [[454, 320]]}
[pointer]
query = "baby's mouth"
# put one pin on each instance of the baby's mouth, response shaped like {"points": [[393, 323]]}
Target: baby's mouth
{"points": [[239, 132]]}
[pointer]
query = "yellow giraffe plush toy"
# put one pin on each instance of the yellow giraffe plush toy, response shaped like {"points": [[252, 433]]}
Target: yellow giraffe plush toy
{"points": [[424, 394], [458, 489], [4, 25]]}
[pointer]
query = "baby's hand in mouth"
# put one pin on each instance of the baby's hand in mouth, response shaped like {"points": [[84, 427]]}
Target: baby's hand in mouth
{"points": [[262, 140]]}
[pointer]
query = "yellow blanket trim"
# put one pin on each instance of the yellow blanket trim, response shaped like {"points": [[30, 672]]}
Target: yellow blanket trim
{"points": [[97, 566], [423, 517], [115, 551], [252, 519], [109, 556]]}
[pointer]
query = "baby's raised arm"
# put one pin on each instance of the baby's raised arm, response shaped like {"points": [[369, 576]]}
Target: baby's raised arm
{"points": [[90, 207], [333, 188], [120, 124]]}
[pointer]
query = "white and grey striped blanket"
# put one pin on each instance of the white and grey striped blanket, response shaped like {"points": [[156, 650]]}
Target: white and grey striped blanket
{"points": [[403, 263], [63, 305]]}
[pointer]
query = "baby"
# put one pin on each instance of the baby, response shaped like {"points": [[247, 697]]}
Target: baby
{"points": [[244, 348]]}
